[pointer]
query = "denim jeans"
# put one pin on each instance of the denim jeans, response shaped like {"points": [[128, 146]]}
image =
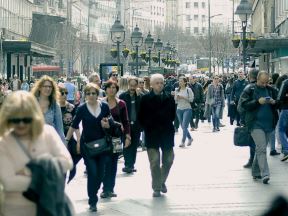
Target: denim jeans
{"points": [[160, 173], [272, 141], [260, 165], [281, 130], [95, 173], [110, 172], [216, 115], [184, 117]]}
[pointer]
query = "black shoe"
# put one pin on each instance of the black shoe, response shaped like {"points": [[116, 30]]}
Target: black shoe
{"points": [[156, 194], [274, 153], [104, 195], [127, 170], [93, 208], [285, 157], [249, 164], [217, 129], [257, 177], [112, 194], [265, 179], [164, 188]]}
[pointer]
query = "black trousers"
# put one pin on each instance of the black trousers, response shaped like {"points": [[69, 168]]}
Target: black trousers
{"points": [[130, 152], [110, 172]]}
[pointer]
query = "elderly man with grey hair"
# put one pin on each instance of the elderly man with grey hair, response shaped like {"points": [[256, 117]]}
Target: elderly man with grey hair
{"points": [[156, 116]]}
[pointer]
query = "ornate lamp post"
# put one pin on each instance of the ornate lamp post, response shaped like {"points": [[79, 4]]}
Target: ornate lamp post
{"points": [[158, 46], [244, 10], [149, 41], [167, 49], [136, 41], [117, 34]]}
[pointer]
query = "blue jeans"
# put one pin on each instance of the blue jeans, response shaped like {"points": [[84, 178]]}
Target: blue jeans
{"points": [[281, 129], [216, 115], [184, 117]]}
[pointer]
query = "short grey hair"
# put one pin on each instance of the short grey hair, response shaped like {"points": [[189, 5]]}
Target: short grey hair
{"points": [[92, 76], [156, 77]]}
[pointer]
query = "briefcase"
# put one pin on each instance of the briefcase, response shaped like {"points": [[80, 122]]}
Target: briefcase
{"points": [[242, 136]]}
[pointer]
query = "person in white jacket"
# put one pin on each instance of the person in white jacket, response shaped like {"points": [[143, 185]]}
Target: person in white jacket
{"points": [[24, 133]]}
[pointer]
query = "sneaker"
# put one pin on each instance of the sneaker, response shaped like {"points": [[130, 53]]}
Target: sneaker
{"points": [[182, 145], [156, 194], [265, 179], [217, 129], [164, 188], [274, 153], [249, 164], [190, 141], [285, 157], [214, 130], [93, 208]]}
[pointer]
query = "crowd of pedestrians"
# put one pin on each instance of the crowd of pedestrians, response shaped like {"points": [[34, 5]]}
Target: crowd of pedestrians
{"points": [[58, 118]]}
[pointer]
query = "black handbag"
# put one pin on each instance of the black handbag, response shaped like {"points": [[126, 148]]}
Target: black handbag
{"points": [[96, 147], [242, 136]]}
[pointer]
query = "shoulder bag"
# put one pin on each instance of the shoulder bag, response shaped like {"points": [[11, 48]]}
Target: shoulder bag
{"points": [[96, 147], [242, 136]]}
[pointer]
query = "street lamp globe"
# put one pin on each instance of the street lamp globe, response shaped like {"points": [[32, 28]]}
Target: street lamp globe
{"points": [[244, 10], [158, 45], [117, 32], [136, 37], [149, 41]]}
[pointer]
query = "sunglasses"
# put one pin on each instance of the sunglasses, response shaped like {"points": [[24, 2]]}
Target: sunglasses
{"points": [[27, 120], [141, 82], [91, 93], [115, 75], [64, 93]]}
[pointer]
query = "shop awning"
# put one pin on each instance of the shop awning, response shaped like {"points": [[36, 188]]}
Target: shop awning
{"points": [[29, 47], [267, 45]]}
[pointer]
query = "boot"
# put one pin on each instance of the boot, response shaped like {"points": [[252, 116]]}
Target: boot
{"points": [[249, 164]]}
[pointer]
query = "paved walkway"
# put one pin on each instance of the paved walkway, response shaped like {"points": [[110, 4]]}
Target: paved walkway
{"points": [[207, 178]]}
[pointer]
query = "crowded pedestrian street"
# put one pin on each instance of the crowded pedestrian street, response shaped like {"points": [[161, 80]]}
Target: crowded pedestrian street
{"points": [[207, 179]]}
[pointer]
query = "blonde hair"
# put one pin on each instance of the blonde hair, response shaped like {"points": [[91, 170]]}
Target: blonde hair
{"points": [[55, 94], [123, 83], [21, 102]]}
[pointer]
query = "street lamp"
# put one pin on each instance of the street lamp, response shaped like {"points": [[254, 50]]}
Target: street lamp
{"points": [[158, 46], [136, 41], [149, 41], [209, 34], [167, 49], [117, 34], [244, 10]]}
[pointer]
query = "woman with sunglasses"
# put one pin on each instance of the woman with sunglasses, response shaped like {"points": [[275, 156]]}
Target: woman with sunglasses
{"points": [[119, 113], [68, 112], [94, 116], [24, 135], [47, 93]]}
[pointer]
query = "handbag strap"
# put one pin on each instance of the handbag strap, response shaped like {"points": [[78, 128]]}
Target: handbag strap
{"points": [[21, 145]]}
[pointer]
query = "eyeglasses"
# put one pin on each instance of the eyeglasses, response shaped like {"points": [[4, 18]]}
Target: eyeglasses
{"points": [[141, 82], [115, 75], [26, 120], [64, 93], [91, 93], [47, 86]]}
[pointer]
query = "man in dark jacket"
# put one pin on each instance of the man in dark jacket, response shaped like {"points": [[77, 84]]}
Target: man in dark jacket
{"points": [[237, 89], [132, 99], [156, 116], [198, 102], [259, 102]]}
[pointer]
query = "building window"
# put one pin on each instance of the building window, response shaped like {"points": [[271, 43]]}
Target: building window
{"points": [[196, 17], [187, 29], [196, 5], [187, 4], [203, 5], [203, 18], [188, 17], [203, 30], [196, 30]]}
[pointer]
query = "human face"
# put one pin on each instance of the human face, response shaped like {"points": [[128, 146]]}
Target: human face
{"points": [[96, 80], [263, 81], [21, 124], [111, 91], [91, 96], [141, 83], [133, 86], [114, 76], [192, 79], [157, 85], [241, 75], [216, 80], [46, 89], [182, 83], [63, 94]]}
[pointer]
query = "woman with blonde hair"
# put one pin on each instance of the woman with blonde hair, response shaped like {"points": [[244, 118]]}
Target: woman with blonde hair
{"points": [[123, 85], [47, 93], [25, 138]]}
